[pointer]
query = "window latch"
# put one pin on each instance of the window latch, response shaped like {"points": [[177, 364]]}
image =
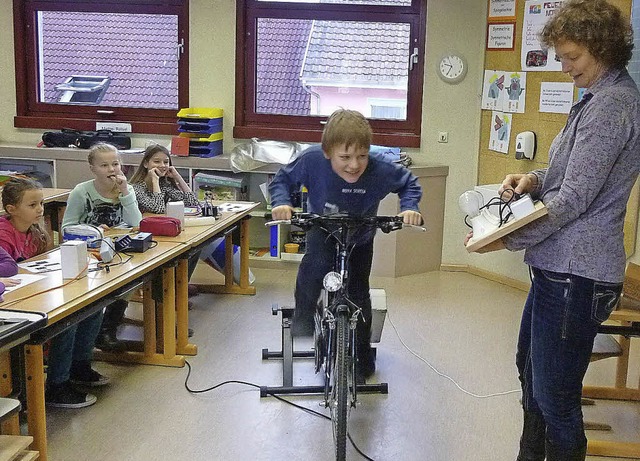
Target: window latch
{"points": [[179, 49], [413, 59]]}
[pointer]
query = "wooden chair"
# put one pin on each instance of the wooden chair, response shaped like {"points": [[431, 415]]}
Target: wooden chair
{"points": [[624, 323]]}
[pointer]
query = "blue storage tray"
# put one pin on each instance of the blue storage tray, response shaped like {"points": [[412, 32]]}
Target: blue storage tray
{"points": [[201, 126]]}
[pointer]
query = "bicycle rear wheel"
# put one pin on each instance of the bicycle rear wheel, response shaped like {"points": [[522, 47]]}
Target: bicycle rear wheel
{"points": [[340, 388]]}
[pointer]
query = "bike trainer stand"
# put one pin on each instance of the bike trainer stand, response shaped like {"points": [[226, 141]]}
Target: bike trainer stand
{"points": [[287, 354]]}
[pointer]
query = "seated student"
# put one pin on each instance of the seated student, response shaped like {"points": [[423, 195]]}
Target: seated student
{"points": [[70, 354], [342, 176], [8, 268], [105, 201], [157, 182]]}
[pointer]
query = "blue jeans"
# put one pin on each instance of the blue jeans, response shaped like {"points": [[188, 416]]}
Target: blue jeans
{"points": [[318, 260], [72, 345], [559, 325]]}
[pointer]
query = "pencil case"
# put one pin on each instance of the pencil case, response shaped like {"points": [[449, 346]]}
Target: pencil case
{"points": [[160, 225]]}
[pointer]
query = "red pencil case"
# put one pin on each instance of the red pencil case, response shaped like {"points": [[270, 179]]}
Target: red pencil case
{"points": [[161, 225]]}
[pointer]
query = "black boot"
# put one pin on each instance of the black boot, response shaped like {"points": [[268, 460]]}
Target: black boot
{"points": [[532, 441], [107, 339], [555, 453]]}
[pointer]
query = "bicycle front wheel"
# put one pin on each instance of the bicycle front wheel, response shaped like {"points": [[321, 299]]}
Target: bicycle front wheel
{"points": [[340, 389]]}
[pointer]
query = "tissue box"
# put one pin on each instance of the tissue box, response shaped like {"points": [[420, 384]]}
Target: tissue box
{"points": [[73, 258]]}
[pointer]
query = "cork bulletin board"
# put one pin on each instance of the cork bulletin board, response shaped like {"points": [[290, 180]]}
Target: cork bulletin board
{"points": [[494, 166]]}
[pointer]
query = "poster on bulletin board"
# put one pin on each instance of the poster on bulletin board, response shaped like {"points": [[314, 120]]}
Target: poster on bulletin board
{"points": [[502, 10], [534, 56]]}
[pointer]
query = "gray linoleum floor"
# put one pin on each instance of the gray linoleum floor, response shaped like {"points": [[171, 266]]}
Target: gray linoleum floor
{"points": [[463, 326]]}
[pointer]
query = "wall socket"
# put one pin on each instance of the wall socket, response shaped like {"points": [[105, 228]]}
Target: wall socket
{"points": [[114, 126], [443, 136]]}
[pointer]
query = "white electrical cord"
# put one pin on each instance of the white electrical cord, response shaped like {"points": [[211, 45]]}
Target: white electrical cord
{"points": [[439, 373]]}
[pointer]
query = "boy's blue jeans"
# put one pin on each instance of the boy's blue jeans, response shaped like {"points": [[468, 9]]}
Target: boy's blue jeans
{"points": [[74, 344], [318, 260], [559, 325]]}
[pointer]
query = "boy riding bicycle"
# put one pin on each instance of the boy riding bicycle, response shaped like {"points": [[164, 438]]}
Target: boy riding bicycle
{"points": [[342, 176]]}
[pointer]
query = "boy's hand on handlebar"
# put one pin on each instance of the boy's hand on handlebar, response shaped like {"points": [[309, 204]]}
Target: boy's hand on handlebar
{"points": [[282, 212], [412, 217]]}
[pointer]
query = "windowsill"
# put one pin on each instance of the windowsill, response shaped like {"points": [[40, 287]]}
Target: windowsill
{"points": [[51, 123]]}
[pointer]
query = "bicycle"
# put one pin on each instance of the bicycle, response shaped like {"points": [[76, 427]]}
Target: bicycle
{"points": [[335, 321]]}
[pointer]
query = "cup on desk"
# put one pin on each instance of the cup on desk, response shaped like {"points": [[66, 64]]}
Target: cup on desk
{"points": [[176, 210]]}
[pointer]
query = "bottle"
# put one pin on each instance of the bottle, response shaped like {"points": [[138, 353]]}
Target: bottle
{"points": [[303, 198]]}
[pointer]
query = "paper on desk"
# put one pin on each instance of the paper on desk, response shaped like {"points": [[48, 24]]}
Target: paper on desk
{"points": [[52, 263], [224, 207], [25, 279]]}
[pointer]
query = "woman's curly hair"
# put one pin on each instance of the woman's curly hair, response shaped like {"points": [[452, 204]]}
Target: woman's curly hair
{"points": [[595, 24]]}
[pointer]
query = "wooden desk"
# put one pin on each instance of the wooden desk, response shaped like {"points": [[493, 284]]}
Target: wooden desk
{"points": [[198, 236], [69, 302]]}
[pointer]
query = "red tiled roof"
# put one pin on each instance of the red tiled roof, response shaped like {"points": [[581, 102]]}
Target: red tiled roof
{"points": [[281, 46], [365, 54], [137, 51]]}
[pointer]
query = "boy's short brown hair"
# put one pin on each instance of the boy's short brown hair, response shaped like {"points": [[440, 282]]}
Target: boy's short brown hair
{"points": [[348, 127]]}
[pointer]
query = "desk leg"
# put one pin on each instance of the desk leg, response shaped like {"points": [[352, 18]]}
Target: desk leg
{"points": [[182, 309], [169, 312], [150, 354], [10, 426], [229, 287], [149, 321], [36, 416]]}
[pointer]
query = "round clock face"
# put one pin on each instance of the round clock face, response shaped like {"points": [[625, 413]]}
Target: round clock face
{"points": [[452, 68]]}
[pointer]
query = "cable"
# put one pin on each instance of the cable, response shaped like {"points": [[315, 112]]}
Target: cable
{"points": [[277, 397], [443, 375]]}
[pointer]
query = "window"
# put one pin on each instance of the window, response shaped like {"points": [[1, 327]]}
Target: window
{"points": [[83, 61], [298, 61]]}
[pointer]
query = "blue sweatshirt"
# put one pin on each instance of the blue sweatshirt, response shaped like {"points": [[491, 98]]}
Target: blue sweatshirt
{"points": [[329, 193]]}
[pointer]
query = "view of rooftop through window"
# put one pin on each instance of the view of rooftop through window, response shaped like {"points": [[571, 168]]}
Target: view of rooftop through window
{"points": [[313, 67], [135, 54], [349, 2]]}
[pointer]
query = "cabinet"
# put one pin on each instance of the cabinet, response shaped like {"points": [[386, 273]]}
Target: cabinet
{"points": [[396, 254]]}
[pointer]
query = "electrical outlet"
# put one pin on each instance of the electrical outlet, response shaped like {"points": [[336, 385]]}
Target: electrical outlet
{"points": [[443, 136]]}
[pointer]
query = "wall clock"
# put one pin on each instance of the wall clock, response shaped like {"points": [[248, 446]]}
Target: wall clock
{"points": [[452, 68]]}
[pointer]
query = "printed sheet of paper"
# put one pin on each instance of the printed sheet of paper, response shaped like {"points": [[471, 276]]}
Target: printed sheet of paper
{"points": [[25, 279], [500, 132], [534, 56], [556, 97]]}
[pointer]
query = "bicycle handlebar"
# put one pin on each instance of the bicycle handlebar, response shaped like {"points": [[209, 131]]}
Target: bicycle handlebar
{"points": [[385, 223]]}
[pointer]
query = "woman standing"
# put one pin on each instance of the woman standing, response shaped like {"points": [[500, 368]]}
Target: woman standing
{"points": [[576, 253]]}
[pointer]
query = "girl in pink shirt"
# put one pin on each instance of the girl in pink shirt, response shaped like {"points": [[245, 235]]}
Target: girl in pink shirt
{"points": [[69, 364]]}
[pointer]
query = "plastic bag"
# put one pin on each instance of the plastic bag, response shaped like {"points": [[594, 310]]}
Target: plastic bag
{"points": [[256, 153], [214, 255]]}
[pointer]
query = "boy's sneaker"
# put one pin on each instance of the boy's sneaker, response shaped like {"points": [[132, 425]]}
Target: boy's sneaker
{"points": [[65, 396], [82, 374]]}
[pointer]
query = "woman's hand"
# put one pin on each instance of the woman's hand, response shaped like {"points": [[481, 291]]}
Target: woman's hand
{"points": [[282, 212], [412, 217], [518, 183], [493, 246], [9, 282]]}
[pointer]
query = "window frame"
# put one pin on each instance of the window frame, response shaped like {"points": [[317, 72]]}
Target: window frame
{"points": [[34, 114], [249, 124]]}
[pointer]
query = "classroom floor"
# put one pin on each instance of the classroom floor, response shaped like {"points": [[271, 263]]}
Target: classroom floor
{"points": [[461, 325]]}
